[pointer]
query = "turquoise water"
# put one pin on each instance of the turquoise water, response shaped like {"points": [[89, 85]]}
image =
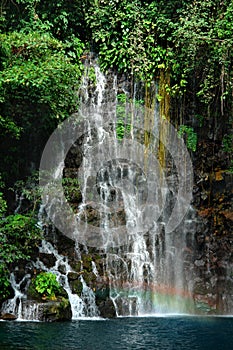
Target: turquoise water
{"points": [[210, 333]]}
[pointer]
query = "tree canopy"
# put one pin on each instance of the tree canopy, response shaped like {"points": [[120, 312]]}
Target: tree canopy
{"points": [[41, 43]]}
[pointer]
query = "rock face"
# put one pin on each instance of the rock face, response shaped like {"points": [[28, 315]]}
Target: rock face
{"points": [[50, 311], [106, 308], [53, 311], [8, 317], [208, 254], [213, 260]]}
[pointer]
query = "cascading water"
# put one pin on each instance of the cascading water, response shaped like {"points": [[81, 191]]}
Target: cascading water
{"points": [[83, 305], [126, 200], [24, 309], [147, 266], [14, 306]]}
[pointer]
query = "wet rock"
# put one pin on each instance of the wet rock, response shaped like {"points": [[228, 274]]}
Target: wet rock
{"points": [[127, 306], [206, 303], [87, 262], [72, 276], [102, 291], [48, 260], [50, 311], [199, 263], [8, 317], [65, 245], [56, 311], [62, 269], [76, 286], [90, 279], [226, 302], [76, 265], [74, 157], [107, 309]]}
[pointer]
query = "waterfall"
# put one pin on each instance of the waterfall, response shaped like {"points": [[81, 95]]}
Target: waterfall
{"points": [[134, 207], [148, 265], [29, 310], [81, 306], [15, 306]]}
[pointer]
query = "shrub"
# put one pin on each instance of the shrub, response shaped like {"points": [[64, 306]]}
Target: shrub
{"points": [[47, 285]]}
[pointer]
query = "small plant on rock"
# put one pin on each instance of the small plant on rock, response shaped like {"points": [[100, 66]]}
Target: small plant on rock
{"points": [[190, 136], [47, 285]]}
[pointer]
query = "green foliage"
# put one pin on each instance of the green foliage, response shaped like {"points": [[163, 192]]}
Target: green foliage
{"points": [[36, 66], [122, 129], [92, 75], [3, 204], [126, 36], [46, 284], [62, 18], [38, 83], [227, 143], [9, 127], [66, 18], [200, 119], [30, 191], [4, 282], [16, 14], [190, 40], [122, 98], [190, 136], [123, 125], [230, 170], [72, 189], [204, 39], [19, 236]]}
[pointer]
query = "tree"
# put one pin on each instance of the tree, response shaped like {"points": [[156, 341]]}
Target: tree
{"points": [[38, 83]]}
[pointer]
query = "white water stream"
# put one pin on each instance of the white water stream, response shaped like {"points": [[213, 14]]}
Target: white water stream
{"points": [[145, 264]]}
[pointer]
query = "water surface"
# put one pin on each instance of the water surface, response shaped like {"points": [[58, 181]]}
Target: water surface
{"points": [[163, 333]]}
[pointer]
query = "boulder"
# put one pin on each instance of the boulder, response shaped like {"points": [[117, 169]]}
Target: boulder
{"points": [[107, 309], [8, 317], [54, 311], [48, 311]]}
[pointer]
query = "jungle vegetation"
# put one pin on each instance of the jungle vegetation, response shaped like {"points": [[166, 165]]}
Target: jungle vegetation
{"points": [[186, 45]]}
